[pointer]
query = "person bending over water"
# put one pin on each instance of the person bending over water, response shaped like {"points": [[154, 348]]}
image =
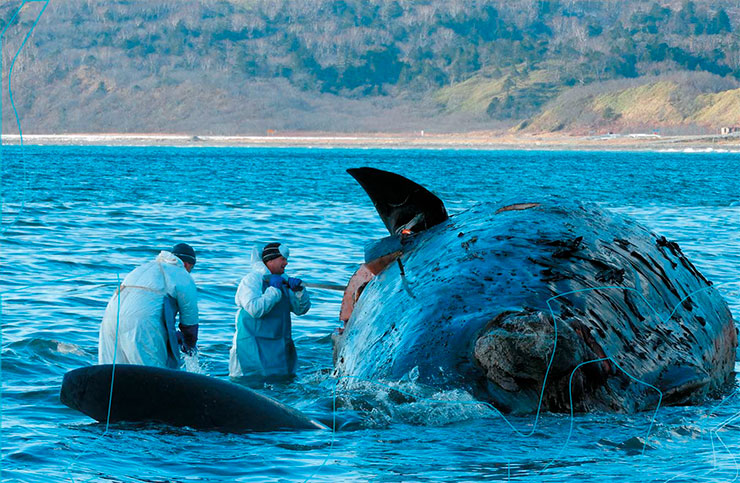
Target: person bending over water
{"points": [[143, 312]]}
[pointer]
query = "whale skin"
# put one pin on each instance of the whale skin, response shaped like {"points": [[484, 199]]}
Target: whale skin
{"points": [[534, 303]]}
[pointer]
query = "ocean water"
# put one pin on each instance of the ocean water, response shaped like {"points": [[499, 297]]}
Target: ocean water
{"points": [[74, 219]]}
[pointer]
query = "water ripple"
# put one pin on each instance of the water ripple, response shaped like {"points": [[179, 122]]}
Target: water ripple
{"points": [[109, 209]]}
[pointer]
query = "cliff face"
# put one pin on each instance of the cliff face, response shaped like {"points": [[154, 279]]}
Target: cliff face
{"points": [[240, 67]]}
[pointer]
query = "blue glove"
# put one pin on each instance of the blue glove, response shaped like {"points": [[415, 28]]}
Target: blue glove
{"points": [[276, 281], [295, 284]]}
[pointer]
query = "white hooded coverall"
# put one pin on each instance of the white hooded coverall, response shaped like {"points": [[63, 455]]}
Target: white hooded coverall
{"points": [[143, 337], [263, 344]]}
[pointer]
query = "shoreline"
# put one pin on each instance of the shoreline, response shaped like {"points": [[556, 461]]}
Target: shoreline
{"points": [[474, 140]]}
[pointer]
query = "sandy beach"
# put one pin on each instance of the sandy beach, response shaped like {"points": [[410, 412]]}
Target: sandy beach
{"points": [[474, 140]]}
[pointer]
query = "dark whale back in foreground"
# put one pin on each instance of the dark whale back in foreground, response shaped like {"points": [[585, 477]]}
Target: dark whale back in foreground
{"points": [[514, 300], [178, 398]]}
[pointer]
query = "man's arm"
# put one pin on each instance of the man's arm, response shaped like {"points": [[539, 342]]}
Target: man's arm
{"points": [[300, 301], [249, 296], [187, 302]]}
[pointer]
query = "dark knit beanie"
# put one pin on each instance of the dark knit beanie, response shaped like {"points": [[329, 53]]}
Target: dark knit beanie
{"points": [[184, 252], [273, 251]]}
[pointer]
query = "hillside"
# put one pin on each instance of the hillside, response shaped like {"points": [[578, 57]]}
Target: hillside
{"points": [[669, 103], [246, 67]]}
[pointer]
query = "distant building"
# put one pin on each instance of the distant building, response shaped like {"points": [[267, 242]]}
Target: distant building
{"points": [[729, 130]]}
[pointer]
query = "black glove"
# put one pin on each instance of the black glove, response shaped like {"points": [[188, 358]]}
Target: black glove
{"points": [[189, 339]]}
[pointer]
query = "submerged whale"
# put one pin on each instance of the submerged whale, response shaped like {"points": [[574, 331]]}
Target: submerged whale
{"points": [[177, 398], [531, 304]]}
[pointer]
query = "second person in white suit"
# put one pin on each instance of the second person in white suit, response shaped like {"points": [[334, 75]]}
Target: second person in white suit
{"points": [[263, 344]]}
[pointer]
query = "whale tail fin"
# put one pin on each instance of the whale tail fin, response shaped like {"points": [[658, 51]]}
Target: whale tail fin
{"points": [[403, 205]]}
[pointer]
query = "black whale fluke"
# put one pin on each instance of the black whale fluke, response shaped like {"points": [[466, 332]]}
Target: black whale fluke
{"points": [[177, 398], [401, 203]]}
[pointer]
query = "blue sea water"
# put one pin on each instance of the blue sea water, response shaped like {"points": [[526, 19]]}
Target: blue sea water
{"points": [[76, 218]]}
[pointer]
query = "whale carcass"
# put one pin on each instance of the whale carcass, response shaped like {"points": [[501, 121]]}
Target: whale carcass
{"points": [[531, 300]]}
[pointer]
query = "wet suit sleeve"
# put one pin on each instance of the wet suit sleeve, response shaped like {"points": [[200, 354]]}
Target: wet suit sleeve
{"points": [[300, 302], [249, 296], [187, 301]]}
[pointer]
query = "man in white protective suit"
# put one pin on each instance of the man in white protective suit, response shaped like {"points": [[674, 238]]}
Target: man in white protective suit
{"points": [[263, 344], [144, 308]]}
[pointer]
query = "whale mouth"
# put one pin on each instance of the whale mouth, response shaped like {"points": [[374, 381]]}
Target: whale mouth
{"points": [[403, 205], [406, 208]]}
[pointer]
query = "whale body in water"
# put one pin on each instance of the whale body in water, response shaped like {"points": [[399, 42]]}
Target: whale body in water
{"points": [[177, 398], [532, 303]]}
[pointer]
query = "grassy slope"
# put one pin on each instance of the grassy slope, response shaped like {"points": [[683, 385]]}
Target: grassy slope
{"points": [[471, 96], [655, 104], [721, 109], [644, 104]]}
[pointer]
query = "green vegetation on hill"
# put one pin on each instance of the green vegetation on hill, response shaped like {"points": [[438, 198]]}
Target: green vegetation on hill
{"points": [[205, 66], [646, 103]]}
